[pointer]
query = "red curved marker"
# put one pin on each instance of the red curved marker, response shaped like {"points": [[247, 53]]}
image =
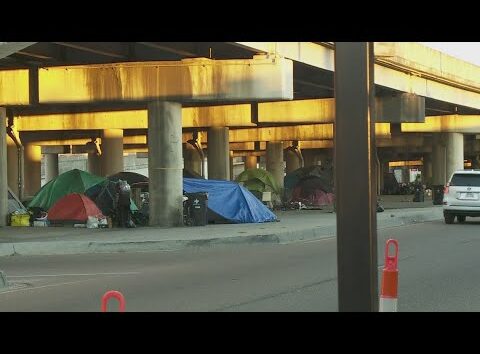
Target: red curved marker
{"points": [[389, 289], [117, 295], [391, 262]]}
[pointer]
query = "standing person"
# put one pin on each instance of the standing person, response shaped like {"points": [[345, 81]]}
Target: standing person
{"points": [[123, 203]]}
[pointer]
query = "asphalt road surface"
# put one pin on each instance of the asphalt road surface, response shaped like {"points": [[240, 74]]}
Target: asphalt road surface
{"points": [[439, 271]]}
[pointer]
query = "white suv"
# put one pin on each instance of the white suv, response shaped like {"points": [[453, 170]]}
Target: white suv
{"points": [[461, 197]]}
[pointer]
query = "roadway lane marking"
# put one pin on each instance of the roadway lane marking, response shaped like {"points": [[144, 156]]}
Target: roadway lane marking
{"points": [[40, 287], [68, 275], [274, 295], [319, 240]]}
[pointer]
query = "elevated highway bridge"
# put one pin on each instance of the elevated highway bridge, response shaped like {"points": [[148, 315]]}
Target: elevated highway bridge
{"points": [[230, 99]]}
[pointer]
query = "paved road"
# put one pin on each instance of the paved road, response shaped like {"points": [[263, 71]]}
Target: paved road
{"points": [[439, 271]]}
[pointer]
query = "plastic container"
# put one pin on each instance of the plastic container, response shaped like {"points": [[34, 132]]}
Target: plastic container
{"points": [[197, 208], [20, 220]]}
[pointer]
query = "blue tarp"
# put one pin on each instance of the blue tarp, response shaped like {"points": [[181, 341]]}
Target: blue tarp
{"points": [[230, 200]]}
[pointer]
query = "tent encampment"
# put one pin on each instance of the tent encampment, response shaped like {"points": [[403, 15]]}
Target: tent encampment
{"points": [[74, 207], [258, 180], [312, 186], [323, 173], [230, 200], [310, 191], [74, 181]]}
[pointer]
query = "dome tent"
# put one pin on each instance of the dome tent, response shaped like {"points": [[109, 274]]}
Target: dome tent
{"points": [[257, 181], [73, 207], [312, 186], [73, 181]]}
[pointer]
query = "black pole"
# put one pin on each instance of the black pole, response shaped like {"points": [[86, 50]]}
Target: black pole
{"points": [[355, 177]]}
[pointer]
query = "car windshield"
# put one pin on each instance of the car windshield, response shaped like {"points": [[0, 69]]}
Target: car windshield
{"points": [[464, 179]]}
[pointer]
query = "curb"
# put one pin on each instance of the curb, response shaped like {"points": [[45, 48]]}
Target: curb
{"points": [[285, 237]]}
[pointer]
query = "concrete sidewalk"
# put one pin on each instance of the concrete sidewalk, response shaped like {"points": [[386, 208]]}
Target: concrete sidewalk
{"points": [[294, 226]]}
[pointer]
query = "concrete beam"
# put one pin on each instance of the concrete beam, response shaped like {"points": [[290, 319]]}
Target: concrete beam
{"points": [[407, 67], [401, 140], [445, 124], [314, 111], [405, 163], [412, 149], [198, 79], [14, 87], [248, 153], [56, 149], [311, 132], [299, 111], [238, 115], [8, 48], [57, 138], [319, 144], [300, 132], [401, 108]]}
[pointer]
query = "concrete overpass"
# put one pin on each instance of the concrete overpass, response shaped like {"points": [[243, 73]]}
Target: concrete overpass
{"points": [[237, 99]]}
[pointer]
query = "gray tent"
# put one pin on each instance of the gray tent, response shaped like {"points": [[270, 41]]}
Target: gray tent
{"points": [[14, 203]]}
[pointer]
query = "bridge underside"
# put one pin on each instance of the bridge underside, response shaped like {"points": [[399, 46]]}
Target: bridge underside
{"points": [[98, 98]]}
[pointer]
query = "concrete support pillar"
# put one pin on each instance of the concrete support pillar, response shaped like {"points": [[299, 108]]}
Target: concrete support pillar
{"points": [[250, 161], [165, 163], [51, 167], [292, 160], [405, 174], [231, 165], [112, 151], [32, 167], [192, 159], [427, 169], [384, 169], [13, 169], [94, 165], [447, 156], [378, 168], [275, 161], [439, 160], [218, 153], [455, 158], [3, 169]]}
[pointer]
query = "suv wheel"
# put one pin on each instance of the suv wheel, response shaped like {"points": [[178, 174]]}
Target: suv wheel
{"points": [[449, 218], [461, 218]]}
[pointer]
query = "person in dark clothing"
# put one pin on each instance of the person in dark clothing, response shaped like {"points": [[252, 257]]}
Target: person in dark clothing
{"points": [[123, 204]]}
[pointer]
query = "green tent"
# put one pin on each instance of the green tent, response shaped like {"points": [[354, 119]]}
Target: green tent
{"points": [[74, 181], [258, 180]]}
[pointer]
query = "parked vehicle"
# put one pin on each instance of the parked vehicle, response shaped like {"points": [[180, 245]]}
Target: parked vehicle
{"points": [[461, 197]]}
